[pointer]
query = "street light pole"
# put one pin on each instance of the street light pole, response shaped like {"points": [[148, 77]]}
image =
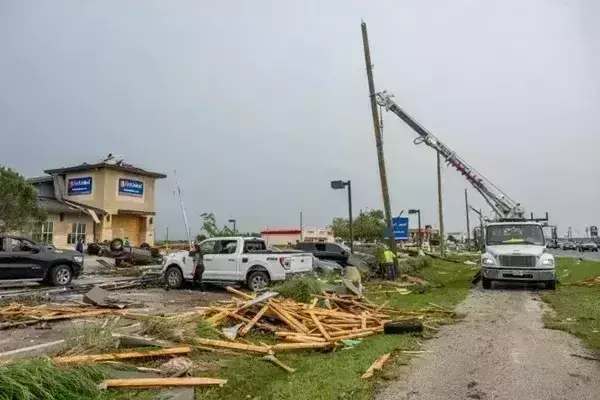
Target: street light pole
{"points": [[468, 223], [349, 184], [440, 206], [419, 237], [232, 221], [336, 185]]}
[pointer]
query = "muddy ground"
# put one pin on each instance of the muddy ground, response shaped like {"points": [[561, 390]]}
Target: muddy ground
{"points": [[151, 300]]}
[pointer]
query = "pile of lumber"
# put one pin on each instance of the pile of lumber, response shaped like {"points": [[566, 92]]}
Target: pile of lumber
{"points": [[326, 321], [17, 314]]}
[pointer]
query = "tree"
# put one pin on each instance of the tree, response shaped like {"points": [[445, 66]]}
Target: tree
{"points": [[19, 209], [209, 226], [368, 226]]}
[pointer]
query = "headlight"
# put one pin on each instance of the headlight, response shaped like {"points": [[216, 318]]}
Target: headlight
{"points": [[487, 261], [78, 259], [549, 262]]}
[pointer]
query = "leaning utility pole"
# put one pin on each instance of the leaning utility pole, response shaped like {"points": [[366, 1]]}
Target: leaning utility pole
{"points": [[379, 144], [440, 207], [468, 224]]}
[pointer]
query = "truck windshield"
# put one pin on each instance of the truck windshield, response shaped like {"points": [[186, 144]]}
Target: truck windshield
{"points": [[515, 234]]}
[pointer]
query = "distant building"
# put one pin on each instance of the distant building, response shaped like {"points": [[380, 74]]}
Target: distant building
{"points": [[97, 202], [281, 237]]}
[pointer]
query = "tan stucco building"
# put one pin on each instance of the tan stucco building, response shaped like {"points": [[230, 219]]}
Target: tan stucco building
{"points": [[97, 202]]}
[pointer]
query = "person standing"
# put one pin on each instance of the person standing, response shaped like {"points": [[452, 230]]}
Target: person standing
{"points": [[388, 264], [198, 266], [79, 246]]}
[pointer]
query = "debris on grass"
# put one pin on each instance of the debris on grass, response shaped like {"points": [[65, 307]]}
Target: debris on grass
{"points": [[137, 383], [377, 365], [91, 338], [586, 282], [121, 356]]}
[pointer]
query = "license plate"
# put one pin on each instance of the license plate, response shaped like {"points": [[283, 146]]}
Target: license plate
{"points": [[517, 273]]}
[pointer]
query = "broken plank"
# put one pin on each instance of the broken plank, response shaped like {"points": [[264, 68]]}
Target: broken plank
{"points": [[254, 320], [239, 293], [320, 327], [299, 346], [121, 356], [377, 365], [161, 382], [271, 358], [231, 345]]}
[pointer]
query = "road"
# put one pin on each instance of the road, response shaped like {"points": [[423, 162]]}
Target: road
{"points": [[500, 351], [586, 255]]}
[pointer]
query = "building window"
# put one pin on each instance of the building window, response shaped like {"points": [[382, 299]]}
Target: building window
{"points": [[77, 233], [45, 234]]}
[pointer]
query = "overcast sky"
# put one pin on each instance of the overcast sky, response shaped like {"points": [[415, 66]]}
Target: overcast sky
{"points": [[259, 104]]}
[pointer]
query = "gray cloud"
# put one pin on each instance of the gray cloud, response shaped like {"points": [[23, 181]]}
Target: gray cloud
{"points": [[259, 104]]}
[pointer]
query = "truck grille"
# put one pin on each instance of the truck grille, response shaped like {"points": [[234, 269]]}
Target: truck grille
{"points": [[517, 261]]}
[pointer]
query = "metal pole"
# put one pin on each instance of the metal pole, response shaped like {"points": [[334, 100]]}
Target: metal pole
{"points": [[379, 144], [468, 224], [440, 207], [350, 216], [420, 235], [482, 234], [301, 228]]}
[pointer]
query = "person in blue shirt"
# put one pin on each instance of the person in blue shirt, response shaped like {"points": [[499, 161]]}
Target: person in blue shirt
{"points": [[126, 244], [79, 246]]}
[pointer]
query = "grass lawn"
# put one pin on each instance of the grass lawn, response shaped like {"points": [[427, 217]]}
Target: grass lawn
{"points": [[337, 375], [576, 308]]}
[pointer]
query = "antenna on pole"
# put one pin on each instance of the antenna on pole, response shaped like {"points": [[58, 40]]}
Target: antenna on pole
{"points": [[185, 220]]}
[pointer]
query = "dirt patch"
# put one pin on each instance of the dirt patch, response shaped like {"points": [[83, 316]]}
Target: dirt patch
{"points": [[500, 351]]}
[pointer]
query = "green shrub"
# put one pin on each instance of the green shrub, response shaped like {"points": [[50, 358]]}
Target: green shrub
{"points": [[300, 288]]}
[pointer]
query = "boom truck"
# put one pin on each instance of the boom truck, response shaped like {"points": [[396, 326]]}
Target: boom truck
{"points": [[513, 247]]}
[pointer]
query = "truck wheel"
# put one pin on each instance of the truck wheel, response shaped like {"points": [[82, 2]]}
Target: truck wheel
{"points": [[61, 275], [486, 283], [174, 277], [551, 285], [116, 245], [258, 280]]}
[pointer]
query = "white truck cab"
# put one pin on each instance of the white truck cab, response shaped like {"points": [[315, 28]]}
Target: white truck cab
{"points": [[236, 260], [516, 252]]}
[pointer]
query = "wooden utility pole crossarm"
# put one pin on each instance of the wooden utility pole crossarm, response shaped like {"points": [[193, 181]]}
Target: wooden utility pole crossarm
{"points": [[379, 143]]}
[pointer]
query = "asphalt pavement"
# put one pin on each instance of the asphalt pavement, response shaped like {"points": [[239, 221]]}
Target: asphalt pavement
{"points": [[500, 351]]}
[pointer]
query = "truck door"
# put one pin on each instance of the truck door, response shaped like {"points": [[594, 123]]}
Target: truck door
{"points": [[225, 259], [25, 260], [5, 264], [208, 249]]}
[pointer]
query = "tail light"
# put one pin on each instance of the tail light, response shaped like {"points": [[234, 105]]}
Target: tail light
{"points": [[285, 262]]}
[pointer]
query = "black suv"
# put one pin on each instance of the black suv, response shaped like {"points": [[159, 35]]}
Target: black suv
{"points": [[325, 251], [21, 258]]}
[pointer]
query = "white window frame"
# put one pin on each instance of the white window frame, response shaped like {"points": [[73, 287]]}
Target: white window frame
{"points": [[47, 232], [77, 232]]}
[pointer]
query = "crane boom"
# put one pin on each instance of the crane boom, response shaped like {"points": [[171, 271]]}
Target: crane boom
{"points": [[500, 203]]}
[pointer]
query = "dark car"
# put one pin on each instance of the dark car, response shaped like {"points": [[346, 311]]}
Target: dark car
{"points": [[569, 246], [325, 251], [588, 246], [21, 258]]}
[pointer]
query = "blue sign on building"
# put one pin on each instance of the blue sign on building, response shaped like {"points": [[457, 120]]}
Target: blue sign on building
{"points": [[79, 186], [130, 187], [400, 225]]}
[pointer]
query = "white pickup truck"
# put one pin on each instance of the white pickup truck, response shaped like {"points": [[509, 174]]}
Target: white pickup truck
{"points": [[236, 259]]}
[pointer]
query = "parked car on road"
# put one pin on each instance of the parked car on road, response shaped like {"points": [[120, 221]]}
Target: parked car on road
{"points": [[230, 260], [326, 251], [552, 244], [21, 258], [569, 246], [588, 246]]}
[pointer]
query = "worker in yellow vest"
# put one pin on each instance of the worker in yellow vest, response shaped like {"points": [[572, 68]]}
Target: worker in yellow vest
{"points": [[387, 264]]}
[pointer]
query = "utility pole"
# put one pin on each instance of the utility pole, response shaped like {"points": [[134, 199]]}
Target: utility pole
{"points": [[379, 144], [301, 228], [468, 224], [440, 207]]}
